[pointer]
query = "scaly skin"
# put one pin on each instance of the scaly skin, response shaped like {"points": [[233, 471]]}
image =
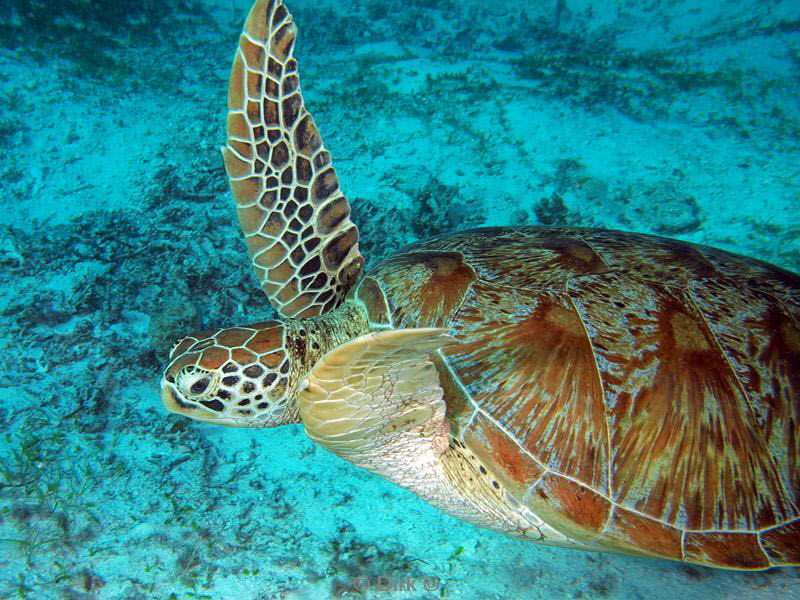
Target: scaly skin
{"points": [[247, 376]]}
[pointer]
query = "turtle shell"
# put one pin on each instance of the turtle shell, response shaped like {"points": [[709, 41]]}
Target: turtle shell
{"points": [[639, 394]]}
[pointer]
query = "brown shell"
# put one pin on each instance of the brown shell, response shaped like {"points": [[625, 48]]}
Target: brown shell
{"points": [[641, 392]]}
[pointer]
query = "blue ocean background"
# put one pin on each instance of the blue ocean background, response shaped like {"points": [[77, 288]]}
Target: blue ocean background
{"points": [[674, 117]]}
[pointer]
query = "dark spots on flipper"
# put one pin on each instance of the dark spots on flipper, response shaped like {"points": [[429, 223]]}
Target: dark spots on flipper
{"points": [[248, 387], [268, 199], [291, 109], [270, 114], [311, 267], [214, 405], [482, 469], [307, 141], [289, 239], [352, 271], [319, 282], [253, 111], [305, 214], [254, 82], [225, 395], [495, 485], [303, 170], [262, 150], [301, 195], [331, 215], [285, 367], [297, 255], [322, 159], [274, 68], [289, 85], [231, 380], [258, 134], [280, 155], [285, 193], [315, 345], [339, 247], [311, 244], [324, 185], [287, 176], [279, 15], [262, 405], [244, 402], [290, 209], [269, 379], [271, 89]]}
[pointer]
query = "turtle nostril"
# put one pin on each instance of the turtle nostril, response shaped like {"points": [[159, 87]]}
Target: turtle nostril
{"points": [[199, 386]]}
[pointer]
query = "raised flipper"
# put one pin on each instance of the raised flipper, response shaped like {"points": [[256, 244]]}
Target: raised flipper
{"points": [[376, 402], [295, 220]]}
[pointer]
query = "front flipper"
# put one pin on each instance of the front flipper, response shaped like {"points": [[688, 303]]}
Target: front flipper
{"points": [[376, 402], [295, 220]]}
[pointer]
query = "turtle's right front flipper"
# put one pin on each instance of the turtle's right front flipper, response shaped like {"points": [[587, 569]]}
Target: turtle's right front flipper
{"points": [[295, 220]]}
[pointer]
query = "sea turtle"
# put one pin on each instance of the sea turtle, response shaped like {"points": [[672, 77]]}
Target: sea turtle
{"points": [[578, 387]]}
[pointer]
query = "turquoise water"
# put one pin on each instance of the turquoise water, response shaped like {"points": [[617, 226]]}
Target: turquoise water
{"points": [[118, 236]]}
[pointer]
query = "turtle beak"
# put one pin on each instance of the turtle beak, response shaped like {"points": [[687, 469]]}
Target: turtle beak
{"points": [[173, 403], [168, 399]]}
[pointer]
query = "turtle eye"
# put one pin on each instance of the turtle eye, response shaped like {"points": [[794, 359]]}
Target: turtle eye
{"points": [[194, 382], [199, 386]]}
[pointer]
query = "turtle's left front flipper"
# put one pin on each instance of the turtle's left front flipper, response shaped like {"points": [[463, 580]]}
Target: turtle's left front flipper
{"points": [[295, 220], [376, 402]]}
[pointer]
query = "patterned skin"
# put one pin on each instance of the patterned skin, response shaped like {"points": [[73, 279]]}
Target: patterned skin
{"points": [[295, 220], [585, 388]]}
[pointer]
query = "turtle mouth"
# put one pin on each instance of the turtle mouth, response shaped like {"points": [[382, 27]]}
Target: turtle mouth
{"points": [[173, 401], [205, 412]]}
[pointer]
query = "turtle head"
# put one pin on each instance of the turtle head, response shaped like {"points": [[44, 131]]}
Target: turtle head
{"points": [[241, 377]]}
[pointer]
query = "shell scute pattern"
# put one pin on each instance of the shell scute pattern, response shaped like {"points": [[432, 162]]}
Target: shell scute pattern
{"points": [[515, 344], [626, 386], [685, 449], [415, 283], [553, 255]]}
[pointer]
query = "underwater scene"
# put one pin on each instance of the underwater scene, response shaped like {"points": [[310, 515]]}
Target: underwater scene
{"points": [[413, 461]]}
